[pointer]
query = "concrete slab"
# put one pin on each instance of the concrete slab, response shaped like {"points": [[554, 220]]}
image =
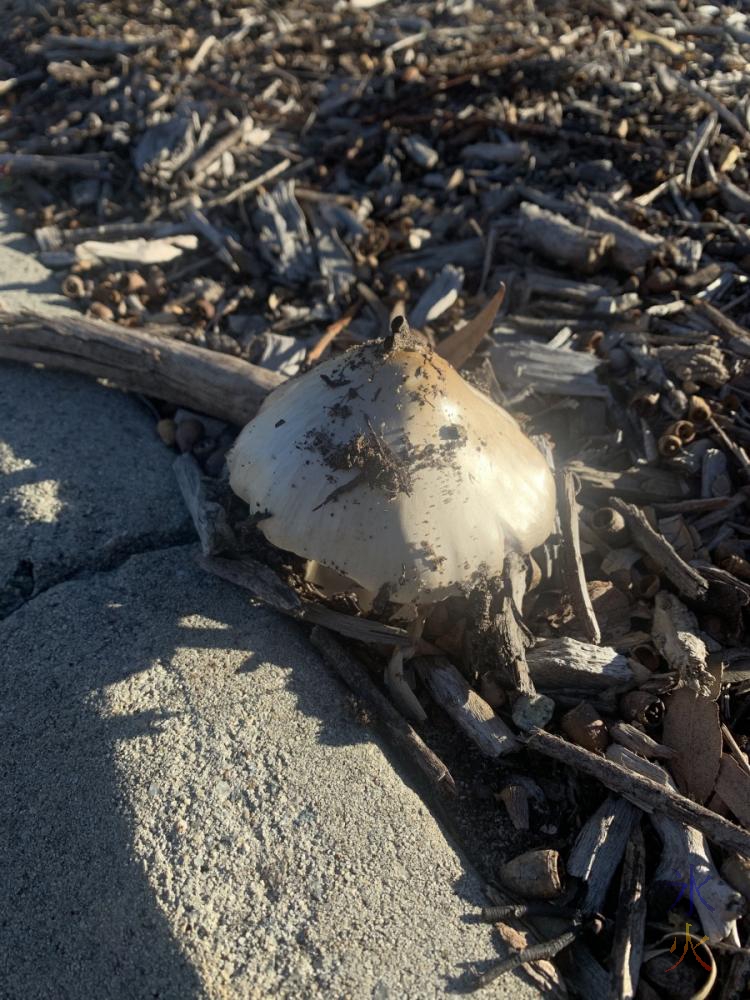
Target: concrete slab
{"points": [[84, 480], [192, 810]]}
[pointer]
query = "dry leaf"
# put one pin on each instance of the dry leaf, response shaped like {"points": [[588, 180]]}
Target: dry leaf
{"points": [[692, 728], [733, 785], [459, 346]]}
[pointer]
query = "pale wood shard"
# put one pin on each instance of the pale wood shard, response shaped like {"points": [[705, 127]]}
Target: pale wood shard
{"points": [[599, 847], [691, 727], [630, 921], [662, 554], [639, 742], [471, 713], [641, 791], [212, 383], [354, 674], [574, 576]]}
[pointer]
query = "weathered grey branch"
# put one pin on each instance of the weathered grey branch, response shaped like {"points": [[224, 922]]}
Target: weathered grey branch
{"points": [[599, 848], [630, 922], [208, 381], [686, 579], [52, 166], [209, 517], [643, 792], [552, 236], [567, 663]]}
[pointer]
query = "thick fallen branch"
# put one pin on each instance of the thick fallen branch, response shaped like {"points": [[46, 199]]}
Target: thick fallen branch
{"points": [[646, 794], [207, 381]]}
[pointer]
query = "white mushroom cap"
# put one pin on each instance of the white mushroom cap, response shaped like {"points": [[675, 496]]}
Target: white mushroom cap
{"points": [[385, 465]]}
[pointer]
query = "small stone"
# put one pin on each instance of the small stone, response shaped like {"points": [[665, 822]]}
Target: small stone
{"points": [[532, 711], [166, 429], [189, 432], [99, 311], [420, 151]]}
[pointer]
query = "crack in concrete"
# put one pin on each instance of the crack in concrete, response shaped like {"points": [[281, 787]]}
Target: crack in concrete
{"points": [[17, 595]]}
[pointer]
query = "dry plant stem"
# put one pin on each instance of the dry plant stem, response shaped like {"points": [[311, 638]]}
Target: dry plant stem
{"points": [[209, 517], [599, 848], [533, 953], [630, 923], [51, 166], [212, 383], [356, 677], [643, 792], [574, 577], [686, 579], [332, 331], [471, 713]]}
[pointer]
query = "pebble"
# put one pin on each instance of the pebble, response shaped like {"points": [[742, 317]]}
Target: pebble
{"points": [[167, 429], [420, 151], [189, 432]]}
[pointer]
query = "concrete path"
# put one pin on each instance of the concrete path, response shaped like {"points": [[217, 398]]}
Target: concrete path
{"points": [[190, 807]]}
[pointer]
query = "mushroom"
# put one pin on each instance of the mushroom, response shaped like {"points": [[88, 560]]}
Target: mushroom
{"points": [[384, 466]]}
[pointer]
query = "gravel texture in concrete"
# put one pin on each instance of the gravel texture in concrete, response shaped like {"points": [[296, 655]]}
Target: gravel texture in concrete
{"points": [[193, 810]]}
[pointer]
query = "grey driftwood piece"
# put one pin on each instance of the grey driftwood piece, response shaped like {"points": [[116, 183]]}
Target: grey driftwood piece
{"points": [[574, 576], [552, 236], [209, 517], [685, 849], [630, 921], [207, 381], [647, 794], [599, 848], [468, 710], [568, 663], [686, 579]]}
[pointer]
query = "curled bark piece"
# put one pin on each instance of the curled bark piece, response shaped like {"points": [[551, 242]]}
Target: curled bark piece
{"points": [[553, 237], [533, 875], [574, 576], [585, 726]]}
